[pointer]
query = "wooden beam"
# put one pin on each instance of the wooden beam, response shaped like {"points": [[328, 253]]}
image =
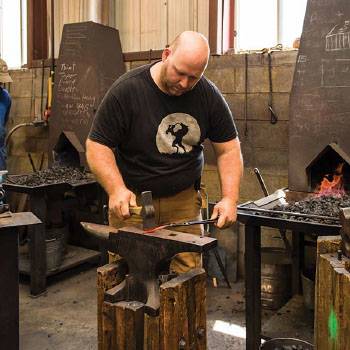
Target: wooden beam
{"points": [[214, 43], [142, 55], [221, 26], [37, 31], [231, 25]]}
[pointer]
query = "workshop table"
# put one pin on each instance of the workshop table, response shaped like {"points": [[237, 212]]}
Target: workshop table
{"points": [[9, 294], [253, 224]]}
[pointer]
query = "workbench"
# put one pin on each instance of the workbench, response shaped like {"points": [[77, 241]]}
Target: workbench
{"points": [[253, 224], [33, 263], [9, 295]]}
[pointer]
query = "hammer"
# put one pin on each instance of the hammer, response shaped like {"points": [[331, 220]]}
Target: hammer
{"points": [[146, 210]]}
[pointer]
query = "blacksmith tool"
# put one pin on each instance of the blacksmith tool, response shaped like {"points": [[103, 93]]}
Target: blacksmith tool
{"points": [[283, 232], [261, 182], [146, 211], [178, 224], [196, 222], [144, 254]]}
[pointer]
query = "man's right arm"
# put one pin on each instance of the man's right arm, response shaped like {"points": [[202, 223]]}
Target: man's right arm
{"points": [[102, 163]]}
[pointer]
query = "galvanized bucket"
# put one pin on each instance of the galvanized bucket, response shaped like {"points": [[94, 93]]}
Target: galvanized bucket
{"points": [[55, 249], [286, 344], [275, 277]]}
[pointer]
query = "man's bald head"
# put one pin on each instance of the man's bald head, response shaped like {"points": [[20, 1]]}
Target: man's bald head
{"points": [[183, 64], [192, 46]]}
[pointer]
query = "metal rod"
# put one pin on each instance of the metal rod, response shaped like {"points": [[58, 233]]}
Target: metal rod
{"points": [[246, 95], [289, 213], [221, 266], [31, 161], [261, 182]]}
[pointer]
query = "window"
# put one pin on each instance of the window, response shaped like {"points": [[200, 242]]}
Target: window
{"points": [[291, 17], [263, 24], [13, 32]]}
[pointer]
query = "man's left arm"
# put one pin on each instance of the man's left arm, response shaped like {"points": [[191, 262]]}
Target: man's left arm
{"points": [[230, 168]]}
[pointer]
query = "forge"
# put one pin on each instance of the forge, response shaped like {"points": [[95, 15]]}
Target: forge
{"points": [[319, 150], [90, 60]]}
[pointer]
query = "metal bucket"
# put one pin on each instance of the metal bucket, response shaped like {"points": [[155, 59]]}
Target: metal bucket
{"points": [[286, 344], [55, 249], [275, 277]]}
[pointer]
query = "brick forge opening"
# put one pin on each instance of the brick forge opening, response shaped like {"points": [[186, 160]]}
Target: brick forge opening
{"points": [[329, 172]]}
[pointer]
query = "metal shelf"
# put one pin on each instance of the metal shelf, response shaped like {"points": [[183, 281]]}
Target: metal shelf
{"points": [[74, 256]]}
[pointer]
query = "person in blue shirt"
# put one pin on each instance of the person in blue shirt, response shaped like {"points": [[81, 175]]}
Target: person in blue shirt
{"points": [[5, 106]]}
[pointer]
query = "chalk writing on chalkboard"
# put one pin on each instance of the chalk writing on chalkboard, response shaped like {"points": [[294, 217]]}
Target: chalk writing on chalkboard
{"points": [[310, 102], [335, 73], [67, 79], [76, 106], [302, 58], [90, 59], [338, 37]]}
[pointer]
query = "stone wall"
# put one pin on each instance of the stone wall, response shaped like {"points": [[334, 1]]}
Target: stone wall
{"points": [[264, 145], [28, 104]]}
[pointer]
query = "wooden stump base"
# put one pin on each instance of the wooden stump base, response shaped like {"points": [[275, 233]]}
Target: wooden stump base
{"points": [[332, 304], [181, 323]]}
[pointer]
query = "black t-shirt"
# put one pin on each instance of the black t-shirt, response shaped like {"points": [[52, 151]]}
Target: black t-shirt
{"points": [[158, 138]]}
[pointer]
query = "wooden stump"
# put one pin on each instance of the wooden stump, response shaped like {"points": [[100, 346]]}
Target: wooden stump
{"points": [[108, 276], [181, 323], [151, 333], [183, 312], [123, 325], [332, 304]]}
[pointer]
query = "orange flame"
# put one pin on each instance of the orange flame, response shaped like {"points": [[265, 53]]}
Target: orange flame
{"points": [[332, 184]]}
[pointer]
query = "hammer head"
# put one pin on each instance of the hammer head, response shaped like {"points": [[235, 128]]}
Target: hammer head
{"points": [[147, 212]]}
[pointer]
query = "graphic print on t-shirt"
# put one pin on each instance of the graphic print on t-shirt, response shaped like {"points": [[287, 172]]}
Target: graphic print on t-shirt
{"points": [[177, 133]]}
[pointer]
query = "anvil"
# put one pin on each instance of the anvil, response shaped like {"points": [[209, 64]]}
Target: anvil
{"points": [[145, 253]]}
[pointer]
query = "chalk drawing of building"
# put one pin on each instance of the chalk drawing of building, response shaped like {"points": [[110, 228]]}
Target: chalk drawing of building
{"points": [[339, 37]]}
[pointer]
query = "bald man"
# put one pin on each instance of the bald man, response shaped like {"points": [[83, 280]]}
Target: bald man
{"points": [[148, 134]]}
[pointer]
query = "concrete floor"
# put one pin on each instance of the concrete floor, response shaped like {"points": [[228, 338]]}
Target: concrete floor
{"points": [[65, 318]]}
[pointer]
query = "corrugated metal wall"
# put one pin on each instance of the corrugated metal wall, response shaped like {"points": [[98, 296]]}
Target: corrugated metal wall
{"points": [[143, 24]]}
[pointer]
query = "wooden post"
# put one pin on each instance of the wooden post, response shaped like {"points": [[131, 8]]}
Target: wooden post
{"points": [[151, 333], [183, 312], [123, 325], [108, 276], [332, 306]]}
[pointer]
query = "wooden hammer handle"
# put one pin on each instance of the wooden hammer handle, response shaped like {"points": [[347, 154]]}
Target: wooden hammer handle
{"points": [[135, 210]]}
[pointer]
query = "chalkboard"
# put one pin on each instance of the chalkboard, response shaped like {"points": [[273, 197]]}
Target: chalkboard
{"points": [[90, 60], [320, 97]]}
